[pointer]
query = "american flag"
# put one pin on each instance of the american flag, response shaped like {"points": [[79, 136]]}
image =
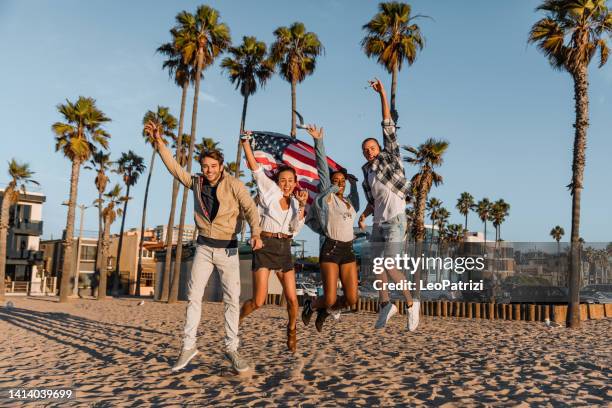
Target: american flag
{"points": [[274, 149]]}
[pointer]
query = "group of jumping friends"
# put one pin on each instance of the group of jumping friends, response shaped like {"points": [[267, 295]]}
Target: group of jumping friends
{"points": [[275, 217]]}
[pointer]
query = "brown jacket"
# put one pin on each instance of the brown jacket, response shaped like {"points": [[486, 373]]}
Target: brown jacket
{"points": [[232, 195]]}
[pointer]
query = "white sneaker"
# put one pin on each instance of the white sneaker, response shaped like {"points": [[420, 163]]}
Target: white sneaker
{"points": [[184, 358], [414, 314], [336, 314], [238, 363], [385, 314]]}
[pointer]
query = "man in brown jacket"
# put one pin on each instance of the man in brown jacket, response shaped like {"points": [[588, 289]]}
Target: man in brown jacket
{"points": [[218, 201]]}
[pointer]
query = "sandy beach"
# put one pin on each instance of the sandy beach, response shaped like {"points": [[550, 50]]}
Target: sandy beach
{"points": [[117, 353]]}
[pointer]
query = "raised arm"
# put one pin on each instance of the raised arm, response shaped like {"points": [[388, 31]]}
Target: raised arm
{"points": [[353, 193], [389, 137], [377, 85], [171, 164], [248, 152], [321, 157]]}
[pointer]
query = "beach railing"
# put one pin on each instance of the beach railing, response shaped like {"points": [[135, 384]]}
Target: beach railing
{"points": [[530, 312]]}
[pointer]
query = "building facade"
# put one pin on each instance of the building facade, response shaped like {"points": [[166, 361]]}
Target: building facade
{"points": [[25, 273], [85, 282], [189, 233]]}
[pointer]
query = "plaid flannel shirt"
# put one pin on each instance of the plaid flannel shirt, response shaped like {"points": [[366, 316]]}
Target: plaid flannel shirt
{"points": [[387, 167]]}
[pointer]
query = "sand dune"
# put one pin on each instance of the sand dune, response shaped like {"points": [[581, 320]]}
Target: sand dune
{"points": [[116, 353]]}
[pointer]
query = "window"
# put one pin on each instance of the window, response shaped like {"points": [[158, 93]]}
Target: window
{"points": [[147, 279], [88, 253]]}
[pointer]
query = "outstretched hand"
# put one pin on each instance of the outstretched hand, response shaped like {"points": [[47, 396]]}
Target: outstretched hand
{"points": [[377, 85], [314, 132], [245, 136], [153, 131]]}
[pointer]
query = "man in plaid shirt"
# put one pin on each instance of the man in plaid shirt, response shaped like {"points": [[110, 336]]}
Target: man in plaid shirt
{"points": [[386, 188]]}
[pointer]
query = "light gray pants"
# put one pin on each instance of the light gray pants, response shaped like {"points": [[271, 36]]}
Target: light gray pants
{"points": [[228, 265]]}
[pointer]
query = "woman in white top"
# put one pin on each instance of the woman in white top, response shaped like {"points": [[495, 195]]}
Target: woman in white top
{"points": [[281, 208], [333, 216]]}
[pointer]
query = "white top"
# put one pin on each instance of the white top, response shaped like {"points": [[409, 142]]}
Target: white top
{"points": [[273, 218], [340, 220], [387, 204]]}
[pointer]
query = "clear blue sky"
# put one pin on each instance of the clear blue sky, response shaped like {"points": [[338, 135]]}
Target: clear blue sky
{"points": [[507, 115]]}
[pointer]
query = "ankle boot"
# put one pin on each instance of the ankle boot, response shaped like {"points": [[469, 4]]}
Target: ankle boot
{"points": [[292, 338]]}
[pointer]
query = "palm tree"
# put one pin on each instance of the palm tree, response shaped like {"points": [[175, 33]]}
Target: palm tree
{"points": [[499, 211], [433, 205], [100, 162], [164, 120], [181, 146], [200, 38], [392, 37], [233, 168], [77, 138], [569, 35], [464, 204], [207, 144], [426, 157], [20, 175], [183, 74], [557, 233], [109, 214], [441, 221], [455, 233], [130, 166], [295, 53], [247, 67], [483, 209]]}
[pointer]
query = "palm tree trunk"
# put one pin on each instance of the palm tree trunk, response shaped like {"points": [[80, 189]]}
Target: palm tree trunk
{"points": [[558, 262], [174, 287], [104, 259], [581, 97], [98, 260], [67, 265], [142, 226], [293, 108], [465, 228], [4, 220], [239, 159], [394, 114], [162, 291], [242, 122], [419, 235], [116, 275]]}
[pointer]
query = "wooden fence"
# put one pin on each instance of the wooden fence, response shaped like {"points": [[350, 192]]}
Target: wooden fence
{"points": [[470, 310]]}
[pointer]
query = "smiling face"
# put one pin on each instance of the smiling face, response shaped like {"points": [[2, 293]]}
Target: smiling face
{"points": [[370, 149], [286, 182], [338, 179], [211, 169]]}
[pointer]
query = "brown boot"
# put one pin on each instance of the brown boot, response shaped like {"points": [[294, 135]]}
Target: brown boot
{"points": [[292, 339]]}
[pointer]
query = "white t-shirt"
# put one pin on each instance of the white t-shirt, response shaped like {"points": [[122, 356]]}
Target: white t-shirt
{"points": [[340, 220], [273, 218], [387, 204]]}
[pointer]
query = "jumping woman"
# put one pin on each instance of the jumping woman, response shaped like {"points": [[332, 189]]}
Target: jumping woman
{"points": [[281, 208], [333, 216]]}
